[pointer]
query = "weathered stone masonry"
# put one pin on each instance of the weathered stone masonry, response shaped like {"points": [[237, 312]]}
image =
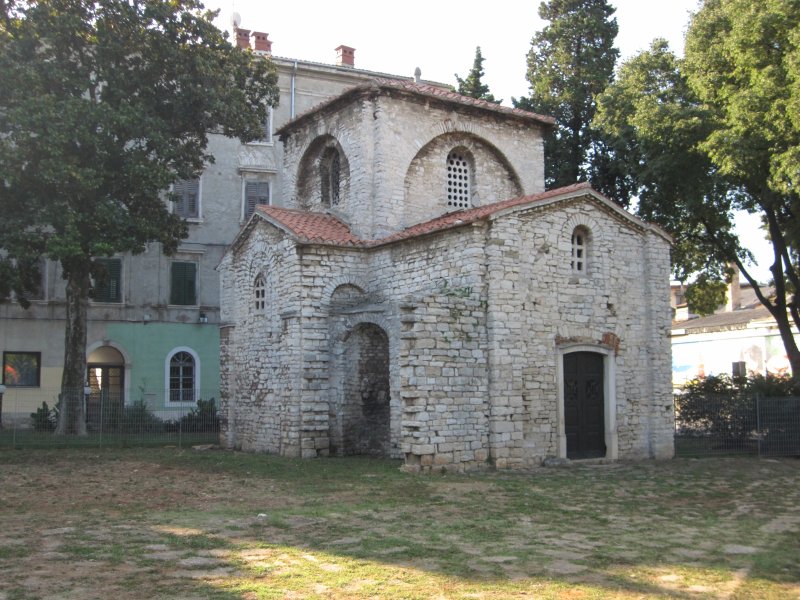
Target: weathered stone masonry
{"points": [[395, 326]]}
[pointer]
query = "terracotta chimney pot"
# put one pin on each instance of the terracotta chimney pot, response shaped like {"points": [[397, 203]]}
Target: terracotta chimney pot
{"points": [[345, 56], [242, 38], [262, 43]]}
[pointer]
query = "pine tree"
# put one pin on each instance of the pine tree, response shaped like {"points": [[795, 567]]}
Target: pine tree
{"points": [[570, 62], [472, 85]]}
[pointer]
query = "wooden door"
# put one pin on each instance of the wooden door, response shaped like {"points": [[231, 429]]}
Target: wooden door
{"points": [[584, 405]]}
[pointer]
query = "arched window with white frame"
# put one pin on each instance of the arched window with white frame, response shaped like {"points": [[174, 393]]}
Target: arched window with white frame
{"points": [[182, 377], [579, 262]]}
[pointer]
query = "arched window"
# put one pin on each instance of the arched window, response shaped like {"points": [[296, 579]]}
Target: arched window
{"points": [[459, 176], [182, 376], [580, 247], [260, 293], [330, 176]]}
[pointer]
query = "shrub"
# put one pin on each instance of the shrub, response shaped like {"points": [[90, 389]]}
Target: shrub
{"points": [[202, 419], [137, 418], [716, 405], [45, 418], [747, 408]]}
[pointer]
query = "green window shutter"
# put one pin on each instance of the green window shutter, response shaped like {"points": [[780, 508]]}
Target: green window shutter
{"points": [[184, 283], [108, 287], [187, 202], [255, 192]]}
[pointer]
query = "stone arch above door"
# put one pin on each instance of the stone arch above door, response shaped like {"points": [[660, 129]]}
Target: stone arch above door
{"points": [[361, 422]]}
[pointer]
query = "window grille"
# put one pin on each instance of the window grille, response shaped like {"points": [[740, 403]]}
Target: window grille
{"points": [[458, 181]]}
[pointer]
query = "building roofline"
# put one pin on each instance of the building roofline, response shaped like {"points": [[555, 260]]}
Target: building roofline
{"points": [[401, 86], [326, 229]]}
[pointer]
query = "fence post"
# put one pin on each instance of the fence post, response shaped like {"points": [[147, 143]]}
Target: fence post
{"points": [[758, 422]]}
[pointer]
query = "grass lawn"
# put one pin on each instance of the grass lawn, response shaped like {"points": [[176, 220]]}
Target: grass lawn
{"points": [[178, 523]]}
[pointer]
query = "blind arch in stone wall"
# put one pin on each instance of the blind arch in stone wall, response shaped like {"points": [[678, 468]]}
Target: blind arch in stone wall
{"points": [[315, 175], [425, 184]]}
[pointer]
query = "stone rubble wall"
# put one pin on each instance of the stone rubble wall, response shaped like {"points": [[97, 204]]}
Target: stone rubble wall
{"points": [[476, 319], [260, 354], [395, 174]]}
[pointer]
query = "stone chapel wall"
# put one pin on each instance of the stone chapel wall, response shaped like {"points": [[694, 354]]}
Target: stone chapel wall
{"points": [[261, 349], [396, 173], [538, 303]]}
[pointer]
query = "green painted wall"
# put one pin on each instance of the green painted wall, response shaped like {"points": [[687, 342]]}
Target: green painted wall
{"points": [[149, 344]]}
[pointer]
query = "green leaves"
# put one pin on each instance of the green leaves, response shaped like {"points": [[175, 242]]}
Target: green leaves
{"points": [[472, 85], [571, 61], [105, 104], [715, 133]]}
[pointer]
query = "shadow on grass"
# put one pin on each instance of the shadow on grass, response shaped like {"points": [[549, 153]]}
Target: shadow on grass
{"points": [[229, 525]]}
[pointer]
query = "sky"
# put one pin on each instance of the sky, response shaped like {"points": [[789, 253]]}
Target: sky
{"points": [[440, 38]]}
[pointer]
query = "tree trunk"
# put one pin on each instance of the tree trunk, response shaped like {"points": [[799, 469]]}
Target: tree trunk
{"points": [[789, 344], [71, 402]]}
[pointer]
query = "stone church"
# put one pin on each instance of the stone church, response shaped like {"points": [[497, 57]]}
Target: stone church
{"points": [[418, 295]]}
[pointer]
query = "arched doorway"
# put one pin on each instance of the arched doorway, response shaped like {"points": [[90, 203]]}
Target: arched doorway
{"points": [[363, 423], [584, 405], [106, 376]]}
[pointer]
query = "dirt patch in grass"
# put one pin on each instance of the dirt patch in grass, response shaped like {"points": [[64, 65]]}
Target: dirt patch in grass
{"points": [[167, 523]]}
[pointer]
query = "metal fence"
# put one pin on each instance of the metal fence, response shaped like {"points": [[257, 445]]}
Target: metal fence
{"points": [[33, 418], [737, 423]]}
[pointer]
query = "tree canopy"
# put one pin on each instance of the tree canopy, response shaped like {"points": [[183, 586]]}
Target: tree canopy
{"points": [[714, 133], [570, 62], [472, 86], [103, 105]]}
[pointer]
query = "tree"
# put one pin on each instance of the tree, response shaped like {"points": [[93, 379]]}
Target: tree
{"points": [[472, 85], [104, 104], [716, 133], [571, 61]]}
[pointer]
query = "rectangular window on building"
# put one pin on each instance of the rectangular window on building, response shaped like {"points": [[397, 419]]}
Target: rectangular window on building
{"points": [[187, 198], [255, 192], [183, 289], [108, 283], [267, 139], [39, 284], [22, 369]]}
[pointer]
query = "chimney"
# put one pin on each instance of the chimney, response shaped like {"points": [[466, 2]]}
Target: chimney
{"points": [[242, 38], [263, 44], [345, 56], [733, 296]]}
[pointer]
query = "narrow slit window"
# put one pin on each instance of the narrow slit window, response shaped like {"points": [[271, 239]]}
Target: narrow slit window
{"points": [[260, 293], [580, 239]]}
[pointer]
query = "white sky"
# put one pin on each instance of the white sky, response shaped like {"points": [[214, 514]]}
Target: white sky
{"points": [[440, 38]]}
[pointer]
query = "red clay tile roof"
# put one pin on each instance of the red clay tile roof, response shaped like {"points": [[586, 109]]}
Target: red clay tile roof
{"points": [[437, 92], [420, 89], [310, 227], [323, 228]]}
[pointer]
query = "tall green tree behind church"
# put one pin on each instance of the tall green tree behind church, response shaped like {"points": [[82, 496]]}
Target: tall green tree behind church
{"points": [[570, 62], [473, 85]]}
